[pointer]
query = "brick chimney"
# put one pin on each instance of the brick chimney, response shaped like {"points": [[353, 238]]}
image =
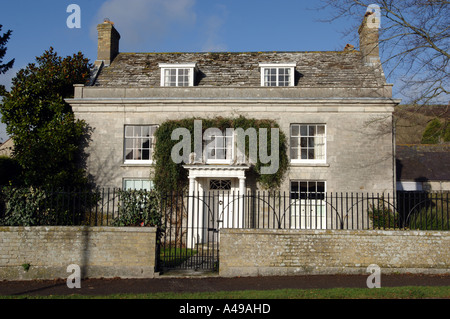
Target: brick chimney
{"points": [[368, 38], [108, 42]]}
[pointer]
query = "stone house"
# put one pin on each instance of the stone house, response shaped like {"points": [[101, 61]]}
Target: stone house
{"points": [[7, 148], [335, 108]]}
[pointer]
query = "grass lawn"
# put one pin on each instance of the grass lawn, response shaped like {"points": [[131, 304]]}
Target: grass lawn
{"points": [[334, 293]]}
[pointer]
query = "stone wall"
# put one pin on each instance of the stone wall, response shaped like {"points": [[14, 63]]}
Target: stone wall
{"points": [[251, 252], [127, 252]]}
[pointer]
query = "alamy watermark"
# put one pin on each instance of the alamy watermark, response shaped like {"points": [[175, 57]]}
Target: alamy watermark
{"points": [[374, 280], [74, 279], [220, 141], [74, 19], [375, 22]]}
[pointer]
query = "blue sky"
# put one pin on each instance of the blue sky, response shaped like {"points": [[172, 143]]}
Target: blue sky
{"points": [[169, 26]]}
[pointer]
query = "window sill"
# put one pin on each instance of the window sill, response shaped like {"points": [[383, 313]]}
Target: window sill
{"points": [[136, 164], [218, 162], [304, 164]]}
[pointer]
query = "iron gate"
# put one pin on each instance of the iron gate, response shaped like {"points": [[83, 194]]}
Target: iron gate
{"points": [[188, 237], [189, 232]]}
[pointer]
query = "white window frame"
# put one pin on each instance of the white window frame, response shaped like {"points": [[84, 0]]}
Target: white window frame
{"points": [[211, 139], [151, 138], [139, 182], [277, 67], [308, 182], [319, 140], [191, 67]]}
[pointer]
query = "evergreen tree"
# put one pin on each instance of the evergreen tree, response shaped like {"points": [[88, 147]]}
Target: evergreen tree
{"points": [[47, 138], [8, 65]]}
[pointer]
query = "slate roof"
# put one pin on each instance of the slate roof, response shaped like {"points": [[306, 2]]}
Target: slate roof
{"points": [[423, 162], [314, 69]]}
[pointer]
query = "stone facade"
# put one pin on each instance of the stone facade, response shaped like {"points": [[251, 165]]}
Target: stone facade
{"points": [[125, 252], [342, 90], [359, 136], [258, 252]]}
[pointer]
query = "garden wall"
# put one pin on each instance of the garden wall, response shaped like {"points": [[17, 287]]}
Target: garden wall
{"points": [[258, 252], [46, 252]]}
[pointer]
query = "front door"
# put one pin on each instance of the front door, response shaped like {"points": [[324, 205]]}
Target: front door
{"points": [[221, 203]]}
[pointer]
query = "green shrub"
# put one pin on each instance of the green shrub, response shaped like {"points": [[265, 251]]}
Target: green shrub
{"points": [[436, 132], [383, 217], [30, 206], [138, 208], [432, 217], [22, 206]]}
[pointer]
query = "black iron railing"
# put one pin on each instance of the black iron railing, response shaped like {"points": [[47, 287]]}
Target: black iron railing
{"points": [[215, 210]]}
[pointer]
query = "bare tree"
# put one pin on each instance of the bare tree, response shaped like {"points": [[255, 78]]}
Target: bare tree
{"points": [[413, 41]]}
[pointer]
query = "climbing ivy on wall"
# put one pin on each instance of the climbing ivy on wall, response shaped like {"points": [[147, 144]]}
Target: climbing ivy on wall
{"points": [[170, 176]]}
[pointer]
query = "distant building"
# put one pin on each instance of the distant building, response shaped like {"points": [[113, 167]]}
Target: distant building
{"points": [[6, 148], [423, 167]]}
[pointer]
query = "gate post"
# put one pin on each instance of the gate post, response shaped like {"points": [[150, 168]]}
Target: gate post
{"points": [[190, 242], [241, 214]]}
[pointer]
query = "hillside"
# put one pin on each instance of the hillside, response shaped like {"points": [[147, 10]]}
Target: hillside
{"points": [[411, 122]]}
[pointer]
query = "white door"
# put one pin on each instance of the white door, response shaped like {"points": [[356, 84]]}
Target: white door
{"points": [[222, 203]]}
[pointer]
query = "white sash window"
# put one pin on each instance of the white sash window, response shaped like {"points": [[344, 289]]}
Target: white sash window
{"points": [[308, 143]]}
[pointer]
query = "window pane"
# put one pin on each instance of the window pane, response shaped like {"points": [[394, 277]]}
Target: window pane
{"points": [[145, 154], [304, 153], [321, 187], [320, 129], [145, 143], [294, 190], [129, 184], [312, 130], [128, 143], [128, 131], [303, 187], [145, 131], [303, 130], [294, 142], [129, 154], [146, 184], [295, 130], [304, 141]]}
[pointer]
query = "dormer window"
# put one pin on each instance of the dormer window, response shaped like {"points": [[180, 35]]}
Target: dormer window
{"points": [[177, 74], [277, 74]]}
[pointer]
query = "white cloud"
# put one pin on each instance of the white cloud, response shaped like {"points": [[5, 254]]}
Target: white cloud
{"points": [[213, 27], [141, 21]]}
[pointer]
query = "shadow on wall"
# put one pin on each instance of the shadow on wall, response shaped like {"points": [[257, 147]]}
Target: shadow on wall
{"points": [[104, 172]]}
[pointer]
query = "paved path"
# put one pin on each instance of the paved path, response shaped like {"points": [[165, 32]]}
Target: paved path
{"points": [[211, 283]]}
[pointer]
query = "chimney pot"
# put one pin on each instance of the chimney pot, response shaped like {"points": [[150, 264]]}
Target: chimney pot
{"points": [[108, 42]]}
